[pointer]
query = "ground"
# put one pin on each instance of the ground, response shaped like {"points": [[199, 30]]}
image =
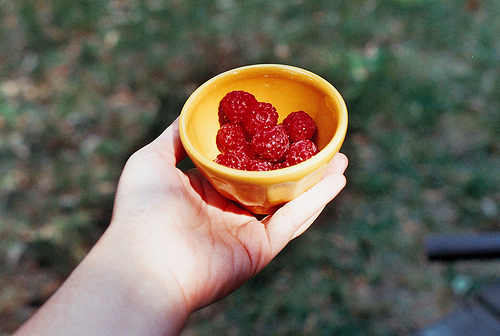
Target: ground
{"points": [[84, 84]]}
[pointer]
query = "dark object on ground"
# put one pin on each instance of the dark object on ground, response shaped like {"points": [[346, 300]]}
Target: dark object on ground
{"points": [[449, 248], [481, 315]]}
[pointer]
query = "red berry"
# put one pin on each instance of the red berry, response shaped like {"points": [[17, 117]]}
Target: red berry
{"points": [[301, 151], [235, 105], [248, 150], [300, 126], [263, 116], [230, 136], [250, 138], [236, 159], [259, 165], [271, 144]]}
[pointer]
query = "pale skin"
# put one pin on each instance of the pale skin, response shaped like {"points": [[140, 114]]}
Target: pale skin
{"points": [[174, 245]]}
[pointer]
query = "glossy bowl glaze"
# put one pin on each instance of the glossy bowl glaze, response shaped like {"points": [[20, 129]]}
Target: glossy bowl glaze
{"points": [[289, 89]]}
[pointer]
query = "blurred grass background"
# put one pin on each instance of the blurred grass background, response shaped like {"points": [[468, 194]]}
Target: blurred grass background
{"points": [[85, 83]]}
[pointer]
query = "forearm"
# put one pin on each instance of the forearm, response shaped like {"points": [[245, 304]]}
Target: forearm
{"points": [[111, 293]]}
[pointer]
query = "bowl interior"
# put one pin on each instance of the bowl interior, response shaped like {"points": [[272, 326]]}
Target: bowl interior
{"points": [[288, 89]]}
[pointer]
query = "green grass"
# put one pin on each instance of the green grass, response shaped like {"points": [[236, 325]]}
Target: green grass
{"points": [[83, 84]]}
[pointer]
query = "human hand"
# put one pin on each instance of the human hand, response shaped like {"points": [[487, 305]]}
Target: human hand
{"points": [[182, 226]]}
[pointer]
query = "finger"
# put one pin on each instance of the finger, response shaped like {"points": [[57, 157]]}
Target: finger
{"points": [[293, 218], [338, 165], [169, 144], [307, 224]]}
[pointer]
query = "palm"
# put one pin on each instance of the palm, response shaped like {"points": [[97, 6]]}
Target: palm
{"points": [[231, 244], [217, 243]]}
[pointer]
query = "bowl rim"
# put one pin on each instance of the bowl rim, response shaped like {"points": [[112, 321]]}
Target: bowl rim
{"points": [[278, 175]]}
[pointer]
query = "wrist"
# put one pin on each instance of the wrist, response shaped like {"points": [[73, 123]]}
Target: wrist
{"points": [[151, 301], [111, 292]]}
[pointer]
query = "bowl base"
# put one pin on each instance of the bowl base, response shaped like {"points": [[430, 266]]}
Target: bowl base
{"points": [[260, 210]]}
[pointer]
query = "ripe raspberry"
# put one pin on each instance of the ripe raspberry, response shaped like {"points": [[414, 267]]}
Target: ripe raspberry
{"points": [[236, 159], [300, 126], [230, 136], [248, 150], [259, 165], [263, 116], [301, 151], [235, 105], [271, 144]]}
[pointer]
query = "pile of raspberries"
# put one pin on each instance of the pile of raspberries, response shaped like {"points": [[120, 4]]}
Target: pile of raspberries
{"points": [[250, 138]]}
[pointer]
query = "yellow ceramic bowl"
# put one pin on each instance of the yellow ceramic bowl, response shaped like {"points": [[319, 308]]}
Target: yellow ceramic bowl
{"points": [[289, 89]]}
